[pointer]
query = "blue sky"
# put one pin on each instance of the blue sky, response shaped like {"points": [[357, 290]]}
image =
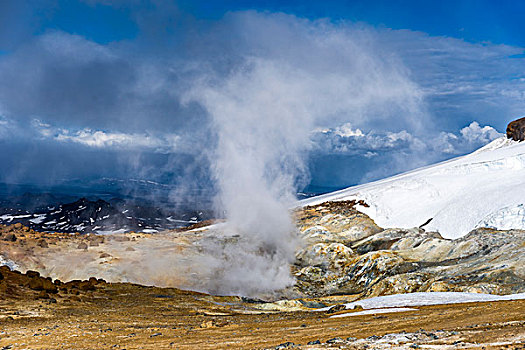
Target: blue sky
{"points": [[122, 88], [499, 22]]}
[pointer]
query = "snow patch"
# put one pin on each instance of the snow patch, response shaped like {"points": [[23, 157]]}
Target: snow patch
{"points": [[427, 298], [38, 219], [148, 230], [10, 218], [375, 311]]}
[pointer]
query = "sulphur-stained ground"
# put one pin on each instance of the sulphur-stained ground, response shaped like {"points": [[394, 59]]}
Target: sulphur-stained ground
{"points": [[98, 315]]}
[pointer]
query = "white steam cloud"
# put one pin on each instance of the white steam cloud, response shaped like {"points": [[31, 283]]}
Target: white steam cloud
{"points": [[262, 114], [264, 82]]}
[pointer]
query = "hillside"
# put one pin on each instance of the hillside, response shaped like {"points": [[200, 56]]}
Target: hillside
{"points": [[483, 189]]}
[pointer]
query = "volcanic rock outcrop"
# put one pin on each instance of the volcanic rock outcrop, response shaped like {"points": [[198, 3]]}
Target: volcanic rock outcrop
{"points": [[516, 130], [345, 252]]}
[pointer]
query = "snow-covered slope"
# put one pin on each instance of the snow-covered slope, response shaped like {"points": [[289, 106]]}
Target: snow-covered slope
{"points": [[483, 189]]}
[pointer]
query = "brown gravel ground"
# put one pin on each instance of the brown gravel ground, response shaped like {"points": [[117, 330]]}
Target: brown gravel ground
{"points": [[37, 313], [127, 316]]}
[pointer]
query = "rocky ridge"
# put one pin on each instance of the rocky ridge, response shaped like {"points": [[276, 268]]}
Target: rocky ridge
{"points": [[516, 130], [347, 253]]}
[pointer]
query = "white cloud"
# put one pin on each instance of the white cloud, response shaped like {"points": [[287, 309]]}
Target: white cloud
{"points": [[346, 140], [355, 142], [374, 91], [468, 139], [462, 80], [381, 79], [346, 130], [103, 139], [476, 134]]}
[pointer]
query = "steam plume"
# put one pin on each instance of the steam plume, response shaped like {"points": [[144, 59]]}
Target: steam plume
{"points": [[265, 82], [263, 114]]}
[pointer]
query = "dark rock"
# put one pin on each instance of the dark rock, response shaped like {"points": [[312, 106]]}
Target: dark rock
{"points": [[288, 344], [335, 340], [43, 243], [10, 238], [336, 308], [31, 273], [516, 130], [49, 286], [84, 286], [313, 342], [82, 245], [38, 283], [43, 295]]}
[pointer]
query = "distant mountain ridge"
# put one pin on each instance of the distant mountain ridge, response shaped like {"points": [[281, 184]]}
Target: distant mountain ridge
{"points": [[44, 212], [110, 205]]}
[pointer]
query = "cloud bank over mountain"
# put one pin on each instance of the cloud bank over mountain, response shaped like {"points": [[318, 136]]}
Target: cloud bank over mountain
{"points": [[362, 94]]}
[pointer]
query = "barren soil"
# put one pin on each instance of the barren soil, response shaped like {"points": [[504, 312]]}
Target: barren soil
{"points": [[128, 316], [38, 313]]}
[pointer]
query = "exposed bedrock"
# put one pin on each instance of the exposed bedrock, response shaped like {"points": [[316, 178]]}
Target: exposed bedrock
{"points": [[516, 130], [346, 252]]}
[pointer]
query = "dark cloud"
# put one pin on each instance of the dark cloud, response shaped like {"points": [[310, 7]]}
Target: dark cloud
{"points": [[67, 80], [139, 95], [21, 20]]}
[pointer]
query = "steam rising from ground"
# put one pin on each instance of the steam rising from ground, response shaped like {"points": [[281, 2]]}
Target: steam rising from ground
{"points": [[263, 114], [284, 78]]}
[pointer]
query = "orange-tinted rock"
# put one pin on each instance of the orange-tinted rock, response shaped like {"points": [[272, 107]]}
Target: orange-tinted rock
{"points": [[39, 283]]}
